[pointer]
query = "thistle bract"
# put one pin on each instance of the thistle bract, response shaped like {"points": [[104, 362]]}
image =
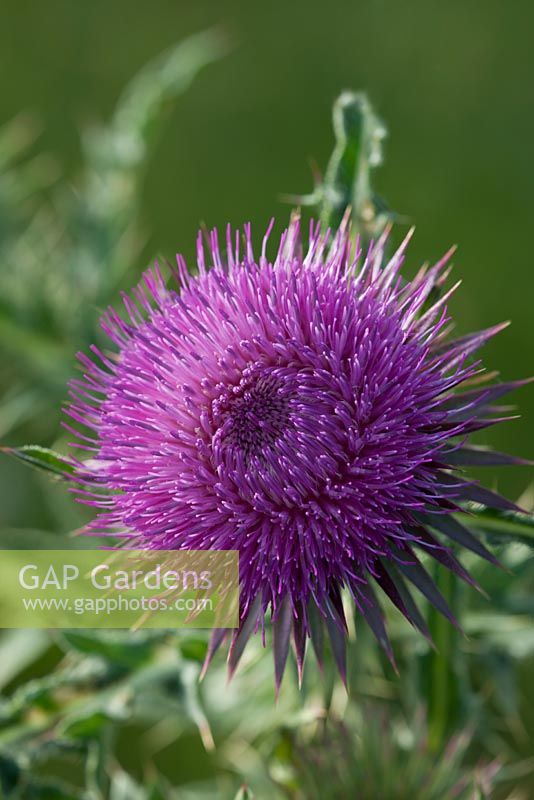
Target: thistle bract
{"points": [[309, 411]]}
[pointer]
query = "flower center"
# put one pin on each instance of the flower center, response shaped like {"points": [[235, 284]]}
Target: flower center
{"points": [[252, 416], [282, 438]]}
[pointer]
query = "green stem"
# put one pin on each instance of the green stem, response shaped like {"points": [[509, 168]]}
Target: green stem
{"points": [[442, 688]]}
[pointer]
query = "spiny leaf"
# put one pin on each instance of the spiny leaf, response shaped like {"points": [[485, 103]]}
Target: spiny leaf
{"points": [[18, 649], [168, 75], [86, 726], [126, 649], [358, 149], [42, 458], [193, 648], [347, 181], [502, 525]]}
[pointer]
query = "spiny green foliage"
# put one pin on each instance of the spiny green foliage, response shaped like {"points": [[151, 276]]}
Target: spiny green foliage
{"points": [[380, 758], [104, 681], [347, 180], [42, 458]]}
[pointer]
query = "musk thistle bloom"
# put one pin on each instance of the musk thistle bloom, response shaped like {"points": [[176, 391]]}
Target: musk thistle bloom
{"points": [[307, 411]]}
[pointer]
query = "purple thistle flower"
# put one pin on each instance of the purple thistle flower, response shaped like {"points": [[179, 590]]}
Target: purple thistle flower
{"points": [[304, 412]]}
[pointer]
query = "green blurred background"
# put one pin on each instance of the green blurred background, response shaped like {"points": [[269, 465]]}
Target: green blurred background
{"points": [[454, 83]]}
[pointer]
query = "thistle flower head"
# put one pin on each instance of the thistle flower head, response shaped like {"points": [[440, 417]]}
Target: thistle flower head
{"points": [[305, 411]]}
